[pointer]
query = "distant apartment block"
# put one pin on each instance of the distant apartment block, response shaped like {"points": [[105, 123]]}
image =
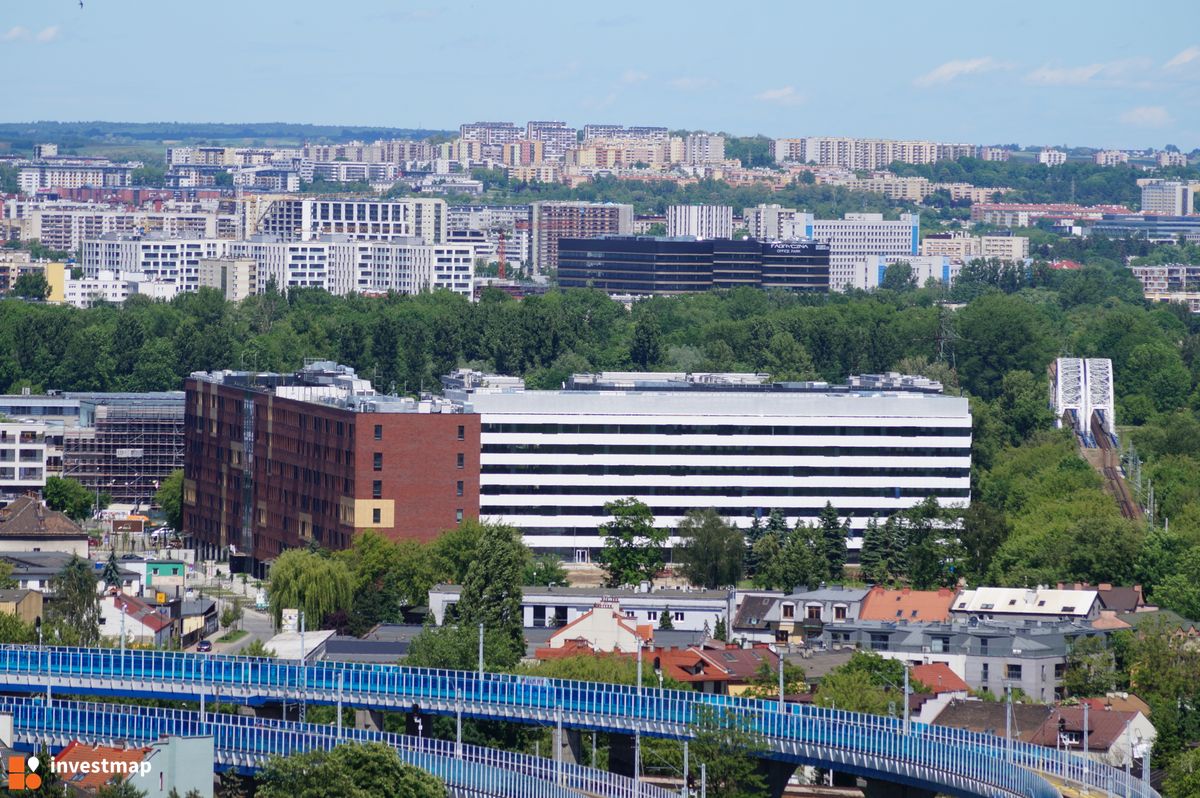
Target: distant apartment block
{"points": [[1169, 197], [700, 221], [112, 287], [235, 278], [621, 131], [555, 136], [291, 219], [51, 175], [41, 151], [1110, 158], [162, 259], [1168, 158], [551, 221], [765, 222], [1012, 214], [1175, 282], [1050, 157], [994, 153], [852, 153], [962, 245], [22, 458], [703, 148], [523, 152], [65, 226]]}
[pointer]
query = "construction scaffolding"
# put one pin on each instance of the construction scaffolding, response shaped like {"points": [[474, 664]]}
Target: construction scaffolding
{"points": [[125, 445]]}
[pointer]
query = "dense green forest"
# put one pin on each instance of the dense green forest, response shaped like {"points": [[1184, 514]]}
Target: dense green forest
{"points": [[21, 136]]}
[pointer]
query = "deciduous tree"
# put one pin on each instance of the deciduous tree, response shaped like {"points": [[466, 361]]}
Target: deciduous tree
{"points": [[712, 551], [633, 546]]}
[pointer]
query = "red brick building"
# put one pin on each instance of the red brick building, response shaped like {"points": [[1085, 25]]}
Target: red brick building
{"points": [[278, 461]]}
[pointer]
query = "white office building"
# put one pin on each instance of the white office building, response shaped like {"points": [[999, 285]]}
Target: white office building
{"points": [[1169, 197], [868, 275], [700, 221], [765, 222], [22, 457], [161, 259], [550, 460], [856, 238], [366, 220]]}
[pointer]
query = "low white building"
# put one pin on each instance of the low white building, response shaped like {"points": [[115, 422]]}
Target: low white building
{"points": [[1019, 603], [869, 274], [691, 610], [1052, 157]]}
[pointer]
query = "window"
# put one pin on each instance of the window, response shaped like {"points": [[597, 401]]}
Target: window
{"points": [[1012, 671], [377, 463], [679, 616], [839, 612], [813, 612], [462, 432], [983, 673], [458, 488], [458, 515], [789, 610], [462, 460], [939, 644], [652, 615], [377, 489], [879, 641], [376, 516], [378, 432]]}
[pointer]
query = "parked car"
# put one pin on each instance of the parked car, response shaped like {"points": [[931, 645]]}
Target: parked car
{"points": [[204, 646]]}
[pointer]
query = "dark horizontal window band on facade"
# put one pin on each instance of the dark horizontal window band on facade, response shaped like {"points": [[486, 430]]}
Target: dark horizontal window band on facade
{"points": [[727, 451], [734, 491], [722, 429], [722, 471], [724, 512]]}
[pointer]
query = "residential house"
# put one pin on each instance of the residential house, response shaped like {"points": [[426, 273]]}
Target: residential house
{"points": [[169, 765], [713, 667], [913, 606], [28, 525], [604, 628], [24, 603], [159, 576], [693, 610], [991, 717], [944, 686], [1122, 702], [757, 619], [987, 656], [804, 613], [1020, 604], [141, 622], [198, 620], [1115, 738], [36, 570]]}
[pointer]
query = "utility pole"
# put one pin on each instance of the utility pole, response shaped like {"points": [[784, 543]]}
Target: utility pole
{"points": [[686, 772], [907, 723], [1008, 716], [481, 650], [339, 705], [458, 727], [703, 782], [1085, 743], [303, 674], [781, 681]]}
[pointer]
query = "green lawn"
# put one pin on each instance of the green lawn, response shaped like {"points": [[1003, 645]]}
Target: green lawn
{"points": [[233, 636]]}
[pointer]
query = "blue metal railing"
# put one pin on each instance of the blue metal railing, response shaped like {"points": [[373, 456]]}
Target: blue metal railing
{"points": [[803, 733], [245, 743]]}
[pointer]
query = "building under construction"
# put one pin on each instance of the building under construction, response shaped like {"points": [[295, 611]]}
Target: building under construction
{"points": [[125, 445]]}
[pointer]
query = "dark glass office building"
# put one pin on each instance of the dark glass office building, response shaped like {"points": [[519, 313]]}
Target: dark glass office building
{"points": [[648, 265]]}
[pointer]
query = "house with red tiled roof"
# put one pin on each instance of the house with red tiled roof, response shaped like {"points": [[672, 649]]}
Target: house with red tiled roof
{"points": [[28, 525], [180, 765], [603, 628], [939, 679], [142, 623], [1066, 264], [911, 606], [1113, 737]]}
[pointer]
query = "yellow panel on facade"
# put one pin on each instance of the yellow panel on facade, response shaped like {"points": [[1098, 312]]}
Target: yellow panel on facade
{"points": [[365, 517]]}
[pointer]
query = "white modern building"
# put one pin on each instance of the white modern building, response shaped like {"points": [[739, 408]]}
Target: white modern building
{"points": [[700, 221], [703, 148], [551, 460], [22, 457], [868, 275], [291, 219], [1110, 158], [115, 287], [51, 175], [964, 245], [765, 222], [159, 258], [855, 238]]}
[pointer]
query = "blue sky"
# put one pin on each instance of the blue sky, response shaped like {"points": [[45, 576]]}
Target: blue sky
{"points": [[1084, 73]]}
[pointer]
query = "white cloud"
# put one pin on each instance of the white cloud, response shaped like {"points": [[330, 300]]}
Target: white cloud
{"points": [[631, 76], [1185, 57], [14, 33], [47, 34], [1064, 76], [786, 95], [1147, 116], [692, 84], [956, 69]]}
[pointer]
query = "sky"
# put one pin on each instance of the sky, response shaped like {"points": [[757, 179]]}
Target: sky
{"points": [[1096, 73]]}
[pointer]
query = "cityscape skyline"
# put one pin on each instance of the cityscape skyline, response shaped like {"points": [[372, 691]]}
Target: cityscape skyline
{"points": [[1052, 76]]}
